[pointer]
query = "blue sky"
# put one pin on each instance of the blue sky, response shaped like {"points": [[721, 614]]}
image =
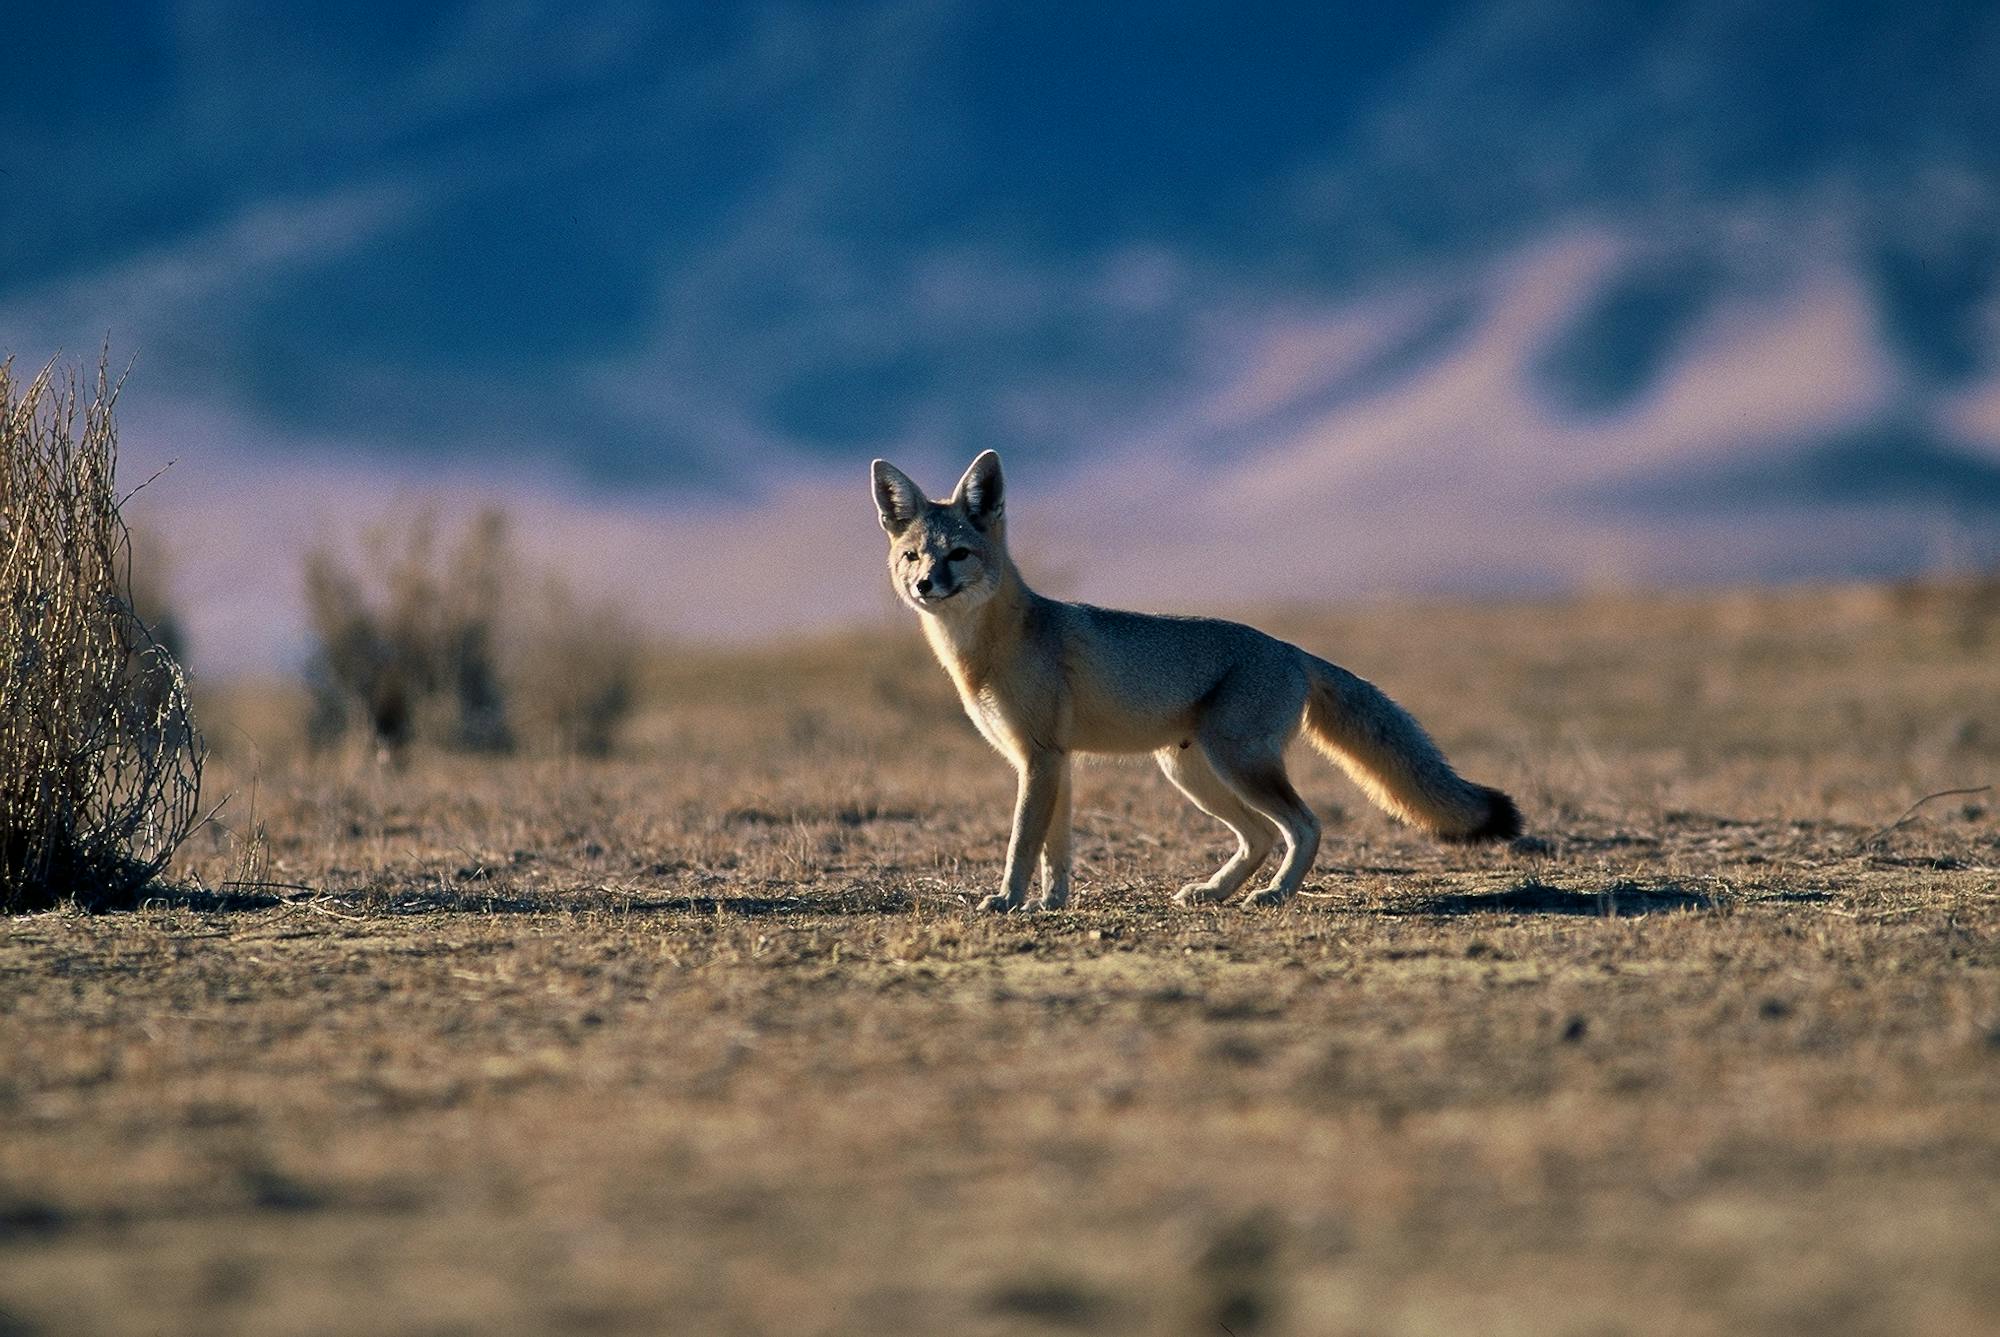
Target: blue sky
{"points": [[684, 260], [812, 227]]}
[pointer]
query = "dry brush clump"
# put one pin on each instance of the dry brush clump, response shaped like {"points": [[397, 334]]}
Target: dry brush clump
{"points": [[100, 760], [405, 644], [574, 672], [458, 646]]}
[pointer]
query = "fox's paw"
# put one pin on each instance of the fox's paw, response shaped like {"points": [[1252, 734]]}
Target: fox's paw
{"points": [[1198, 893], [998, 904], [1267, 896]]}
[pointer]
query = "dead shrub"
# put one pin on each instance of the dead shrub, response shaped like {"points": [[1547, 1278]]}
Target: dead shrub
{"points": [[574, 671], [446, 651], [100, 761], [405, 646]]}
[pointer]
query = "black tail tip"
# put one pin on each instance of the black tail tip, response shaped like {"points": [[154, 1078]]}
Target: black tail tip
{"points": [[1503, 819]]}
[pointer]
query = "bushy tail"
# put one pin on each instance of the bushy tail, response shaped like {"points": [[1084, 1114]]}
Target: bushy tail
{"points": [[1385, 751]]}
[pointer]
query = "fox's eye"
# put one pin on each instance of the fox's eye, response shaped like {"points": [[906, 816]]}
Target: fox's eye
{"points": [[958, 554], [909, 557]]}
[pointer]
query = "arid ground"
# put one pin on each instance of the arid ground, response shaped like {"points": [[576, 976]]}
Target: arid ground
{"points": [[704, 1038]]}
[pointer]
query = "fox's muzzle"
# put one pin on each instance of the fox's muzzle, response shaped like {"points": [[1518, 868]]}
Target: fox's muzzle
{"points": [[930, 590]]}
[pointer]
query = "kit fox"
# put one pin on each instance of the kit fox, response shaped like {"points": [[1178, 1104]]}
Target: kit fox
{"points": [[1215, 703]]}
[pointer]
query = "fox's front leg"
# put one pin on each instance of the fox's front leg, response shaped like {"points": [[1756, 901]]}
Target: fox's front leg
{"points": [[1055, 851], [1041, 784]]}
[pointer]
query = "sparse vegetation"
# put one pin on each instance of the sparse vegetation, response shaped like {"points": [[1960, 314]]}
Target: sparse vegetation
{"points": [[406, 645], [574, 672], [1970, 600], [100, 763], [702, 1037], [462, 650]]}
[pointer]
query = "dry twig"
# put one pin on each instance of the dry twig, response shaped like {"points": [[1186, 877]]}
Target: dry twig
{"points": [[1875, 836]]}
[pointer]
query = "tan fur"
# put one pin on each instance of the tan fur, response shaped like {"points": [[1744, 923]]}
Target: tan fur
{"points": [[1216, 703]]}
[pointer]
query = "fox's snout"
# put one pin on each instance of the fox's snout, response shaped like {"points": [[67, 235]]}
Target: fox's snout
{"points": [[936, 585]]}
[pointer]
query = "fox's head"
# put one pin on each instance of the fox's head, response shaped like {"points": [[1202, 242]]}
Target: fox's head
{"points": [[944, 556]]}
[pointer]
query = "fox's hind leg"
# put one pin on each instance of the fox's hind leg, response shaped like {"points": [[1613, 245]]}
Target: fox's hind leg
{"points": [[1188, 768], [1251, 715], [1257, 777]]}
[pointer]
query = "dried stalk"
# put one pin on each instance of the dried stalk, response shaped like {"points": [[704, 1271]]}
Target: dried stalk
{"points": [[100, 760]]}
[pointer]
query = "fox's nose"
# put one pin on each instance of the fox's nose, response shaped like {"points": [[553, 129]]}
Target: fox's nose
{"points": [[924, 585]]}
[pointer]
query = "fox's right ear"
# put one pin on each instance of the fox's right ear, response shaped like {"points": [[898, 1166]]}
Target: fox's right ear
{"points": [[981, 494], [897, 499]]}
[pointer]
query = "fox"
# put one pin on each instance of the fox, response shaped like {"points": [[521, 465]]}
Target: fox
{"points": [[1214, 702]]}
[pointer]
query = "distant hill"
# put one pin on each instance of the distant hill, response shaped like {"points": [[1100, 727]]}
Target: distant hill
{"points": [[1687, 278]]}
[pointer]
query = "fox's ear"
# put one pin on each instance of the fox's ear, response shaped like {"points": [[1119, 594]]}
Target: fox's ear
{"points": [[897, 499], [981, 493]]}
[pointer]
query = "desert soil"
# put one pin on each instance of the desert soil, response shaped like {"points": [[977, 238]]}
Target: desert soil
{"points": [[705, 1039]]}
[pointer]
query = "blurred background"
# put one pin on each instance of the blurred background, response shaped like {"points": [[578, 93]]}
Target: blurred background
{"points": [[1262, 303]]}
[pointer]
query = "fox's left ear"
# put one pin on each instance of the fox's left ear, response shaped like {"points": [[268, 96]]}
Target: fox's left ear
{"points": [[981, 494]]}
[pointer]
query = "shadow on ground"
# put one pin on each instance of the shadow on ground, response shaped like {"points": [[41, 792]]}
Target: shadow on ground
{"points": [[1539, 898], [477, 900]]}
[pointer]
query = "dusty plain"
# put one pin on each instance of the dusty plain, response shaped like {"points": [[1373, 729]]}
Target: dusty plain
{"points": [[705, 1039]]}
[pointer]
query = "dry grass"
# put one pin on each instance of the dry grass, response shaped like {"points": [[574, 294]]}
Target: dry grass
{"points": [[703, 1039], [100, 766]]}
